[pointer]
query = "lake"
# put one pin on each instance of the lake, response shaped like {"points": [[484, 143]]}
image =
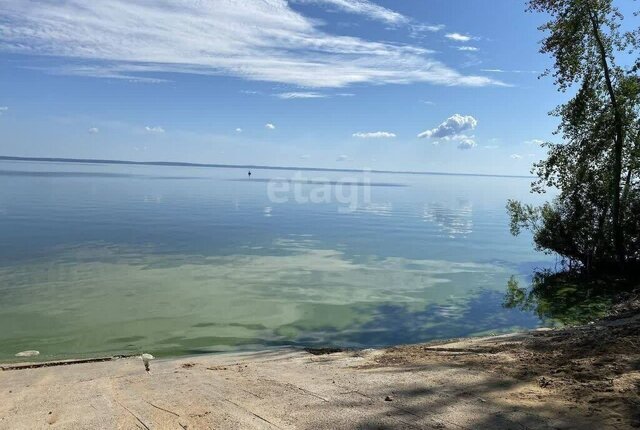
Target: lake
{"points": [[108, 259]]}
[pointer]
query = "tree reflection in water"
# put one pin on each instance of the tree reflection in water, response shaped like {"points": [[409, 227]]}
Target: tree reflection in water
{"points": [[563, 297]]}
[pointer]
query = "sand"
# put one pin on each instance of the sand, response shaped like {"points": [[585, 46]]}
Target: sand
{"points": [[585, 377]]}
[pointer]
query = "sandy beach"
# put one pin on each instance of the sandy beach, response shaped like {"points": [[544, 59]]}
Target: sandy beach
{"points": [[582, 377]]}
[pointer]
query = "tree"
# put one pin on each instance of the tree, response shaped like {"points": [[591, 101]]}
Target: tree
{"points": [[591, 223]]}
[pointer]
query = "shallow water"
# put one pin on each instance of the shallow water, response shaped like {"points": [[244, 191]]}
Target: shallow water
{"points": [[99, 259]]}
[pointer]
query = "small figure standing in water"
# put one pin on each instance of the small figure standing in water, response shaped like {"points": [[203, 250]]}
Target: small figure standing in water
{"points": [[249, 173]]}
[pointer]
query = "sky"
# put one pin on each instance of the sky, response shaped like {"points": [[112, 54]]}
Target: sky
{"points": [[437, 85]]}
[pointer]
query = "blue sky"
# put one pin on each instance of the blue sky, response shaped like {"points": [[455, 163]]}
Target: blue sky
{"points": [[442, 85]]}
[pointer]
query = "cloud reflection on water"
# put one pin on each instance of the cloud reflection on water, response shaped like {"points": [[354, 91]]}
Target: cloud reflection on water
{"points": [[83, 299], [456, 221]]}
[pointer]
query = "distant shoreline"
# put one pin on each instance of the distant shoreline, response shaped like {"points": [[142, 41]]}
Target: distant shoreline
{"points": [[246, 166]]}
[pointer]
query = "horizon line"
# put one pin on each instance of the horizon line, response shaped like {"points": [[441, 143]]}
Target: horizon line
{"points": [[248, 166]]}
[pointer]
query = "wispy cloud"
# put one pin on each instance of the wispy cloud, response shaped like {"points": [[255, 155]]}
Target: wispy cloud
{"points": [[418, 31], [375, 135], [363, 7], [238, 130], [535, 142], [3, 109], [94, 130], [516, 156], [427, 27], [156, 129], [262, 40], [342, 158], [468, 48], [301, 95], [508, 71], [270, 126], [457, 37]]}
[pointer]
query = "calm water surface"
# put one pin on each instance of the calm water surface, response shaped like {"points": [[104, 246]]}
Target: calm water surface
{"points": [[99, 260]]}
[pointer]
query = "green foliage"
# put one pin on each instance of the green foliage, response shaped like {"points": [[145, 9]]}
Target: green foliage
{"points": [[593, 223]]}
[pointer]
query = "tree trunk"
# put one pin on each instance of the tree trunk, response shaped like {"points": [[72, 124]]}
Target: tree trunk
{"points": [[631, 167], [618, 237]]}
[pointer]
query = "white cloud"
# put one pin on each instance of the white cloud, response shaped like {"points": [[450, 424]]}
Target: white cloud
{"points": [[535, 142], [374, 135], [342, 158], [3, 109], [156, 129], [363, 7], [262, 40], [507, 71], [418, 30], [457, 37], [238, 130], [466, 143], [270, 126], [429, 28], [451, 128], [305, 156], [467, 48], [301, 95], [94, 130], [516, 156]]}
